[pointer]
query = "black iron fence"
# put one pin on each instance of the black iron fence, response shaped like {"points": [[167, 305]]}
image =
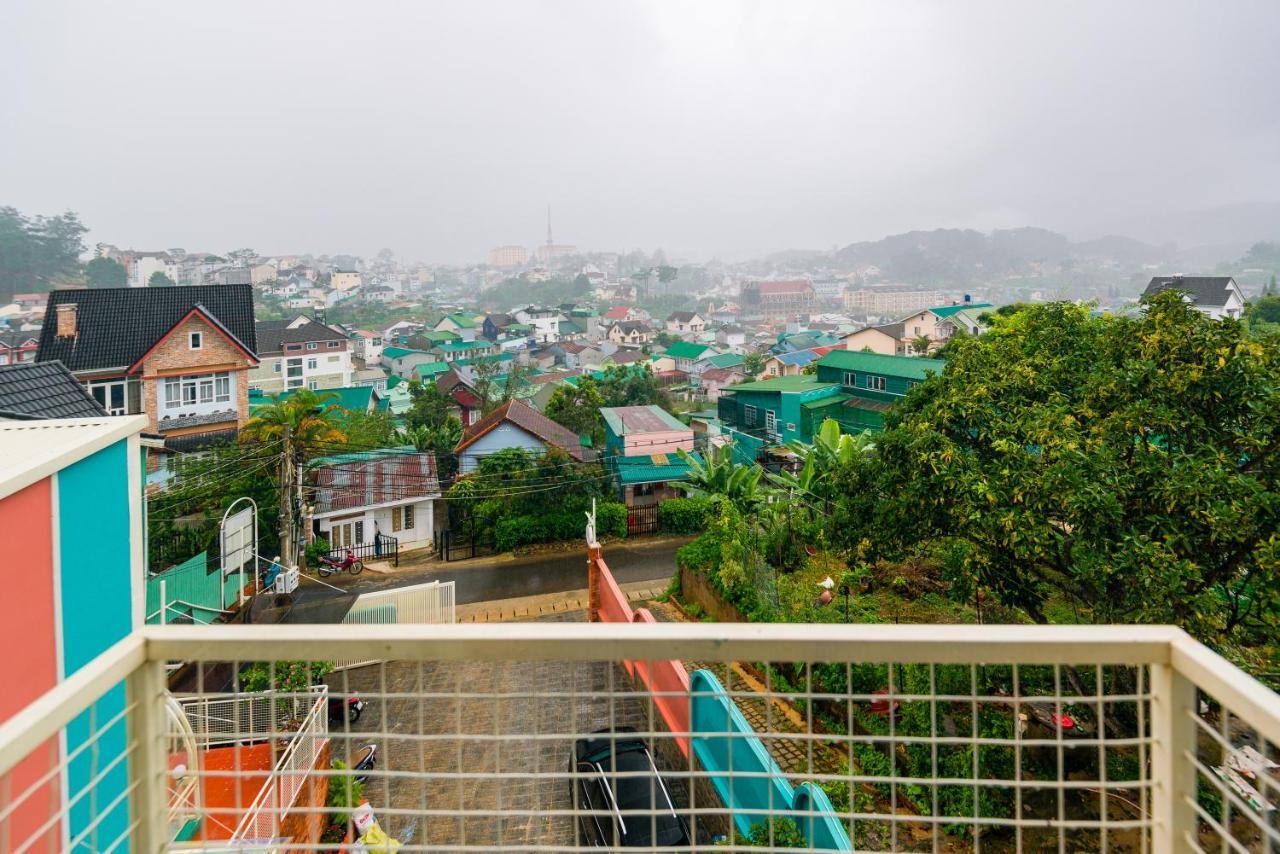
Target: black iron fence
{"points": [[642, 520], [458, 545], [382, 548]]}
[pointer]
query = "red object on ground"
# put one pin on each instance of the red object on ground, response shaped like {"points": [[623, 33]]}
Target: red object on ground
{"points": [[881, 707], [1064, 721]]}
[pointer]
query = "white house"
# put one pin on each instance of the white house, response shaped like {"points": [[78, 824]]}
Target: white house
{"points": [[1216, 296], [360, 497], [545, 322]]}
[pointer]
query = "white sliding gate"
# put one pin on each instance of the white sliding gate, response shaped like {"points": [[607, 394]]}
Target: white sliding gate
{"points": [[432, 602]]}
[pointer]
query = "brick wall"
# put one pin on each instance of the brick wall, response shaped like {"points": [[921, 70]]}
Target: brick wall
{"points": [[174, 357]]}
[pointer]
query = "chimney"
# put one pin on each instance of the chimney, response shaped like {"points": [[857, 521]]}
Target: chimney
{"points": [[66, 320]]}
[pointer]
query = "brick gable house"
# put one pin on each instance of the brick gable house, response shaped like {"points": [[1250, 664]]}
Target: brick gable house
{"points": [[180, 356]]}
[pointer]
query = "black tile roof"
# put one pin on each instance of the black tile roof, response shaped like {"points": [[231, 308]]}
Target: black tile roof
{"points": [[117, 326], [273, 335], [1204, 290], [44, 390]]}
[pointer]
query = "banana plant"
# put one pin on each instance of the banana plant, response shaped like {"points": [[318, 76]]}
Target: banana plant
{"points": [[720, 475], [830, 450]]}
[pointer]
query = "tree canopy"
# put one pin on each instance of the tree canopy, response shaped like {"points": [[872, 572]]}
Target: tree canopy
{"points": [[1097, 469], [37, 251], [578, 409], [105, 273]]}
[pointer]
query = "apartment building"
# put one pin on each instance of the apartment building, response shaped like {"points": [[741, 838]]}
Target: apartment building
{"points": [[300, 352]]}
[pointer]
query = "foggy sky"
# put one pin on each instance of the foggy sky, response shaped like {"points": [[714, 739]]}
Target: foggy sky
{"points": [[735, 129]]}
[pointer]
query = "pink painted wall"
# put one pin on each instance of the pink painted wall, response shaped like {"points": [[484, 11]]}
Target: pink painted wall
{"points": [[656, 442], [30, 668], [667, 681]]}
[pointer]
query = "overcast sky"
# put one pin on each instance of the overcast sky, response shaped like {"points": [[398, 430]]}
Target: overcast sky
{"points": [[441, 130]]}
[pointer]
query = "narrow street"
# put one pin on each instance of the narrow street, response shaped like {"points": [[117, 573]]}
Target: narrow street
{"points": [[492, 578]]}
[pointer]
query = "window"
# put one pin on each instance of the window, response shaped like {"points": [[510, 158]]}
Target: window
{"points": [[791, 428], [111, 395], [359, 535], [770, 421], [335, 358], [312, 385], [313, 346], [311, 364], [196, 339], [850, 379], [875, 382], [180, 392], [397, 519], [292, 348], [334, 345], [377, 341], [749, 416], [275, 364], [408, 516]]}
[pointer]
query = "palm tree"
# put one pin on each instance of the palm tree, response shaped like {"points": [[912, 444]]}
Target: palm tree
{"points": [[921, 343], [720, 475], [306, 424]]}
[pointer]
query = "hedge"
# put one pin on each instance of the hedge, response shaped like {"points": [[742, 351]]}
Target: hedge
{"points": [[515, 531], [684, 515]]}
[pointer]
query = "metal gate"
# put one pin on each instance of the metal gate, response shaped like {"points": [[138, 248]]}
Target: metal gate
{"points": [[642, 520], [432, 602]]}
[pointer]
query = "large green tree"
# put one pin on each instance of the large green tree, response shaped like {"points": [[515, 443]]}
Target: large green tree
{"points": [[105, 273], [36, 252], [578, 408], [1093, 469]]}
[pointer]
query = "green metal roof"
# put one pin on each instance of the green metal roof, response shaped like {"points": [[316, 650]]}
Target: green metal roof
{"points": [[686, 350], [833, 400], [789, 384], [462, 320], [462, 346], [397, 352], [395, 379], [911, 367], [643, 419], [652, 468], [430, 369], [724, 360], [948, 310], [348, 397], [362, 456]]}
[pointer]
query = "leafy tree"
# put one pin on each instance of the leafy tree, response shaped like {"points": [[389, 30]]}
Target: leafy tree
{"points": [[628, 385], [667, 273], [105, 273], [367, 429], [439, 439], [429, 406], [578, 409], [1113, 469], [830, 451], [1263, 310], [581, 285], [753, 365], [160, 280], [921, 343], [36, 252]]}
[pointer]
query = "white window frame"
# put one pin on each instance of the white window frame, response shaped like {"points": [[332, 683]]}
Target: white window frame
{"points": [[107, 386], [770, 421], [850, 379], [195, 340], [749, 414], [312, 345], [875, 382], [312, 364]]}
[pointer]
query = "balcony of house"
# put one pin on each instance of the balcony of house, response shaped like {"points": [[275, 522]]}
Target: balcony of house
{"points": [[663, 736], [194, 400]]}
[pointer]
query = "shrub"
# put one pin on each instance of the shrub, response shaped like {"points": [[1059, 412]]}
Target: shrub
{"points": [[345, 793], [294, 677], [683, 515], [512, 532], [315, 548]]}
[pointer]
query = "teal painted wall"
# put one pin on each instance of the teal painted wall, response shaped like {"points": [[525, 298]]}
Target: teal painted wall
{"points": [[784, 405], [723, 741], [95, 573], [895, 387]]}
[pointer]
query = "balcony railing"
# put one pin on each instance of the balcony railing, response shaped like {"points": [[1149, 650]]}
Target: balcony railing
{"points": [[853, 737]]}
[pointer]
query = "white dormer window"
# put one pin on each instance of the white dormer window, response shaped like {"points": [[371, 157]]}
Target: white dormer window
{"points": [[196, 340]]}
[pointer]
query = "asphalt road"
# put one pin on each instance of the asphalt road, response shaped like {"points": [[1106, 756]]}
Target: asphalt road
{"points": [[500, 577]]}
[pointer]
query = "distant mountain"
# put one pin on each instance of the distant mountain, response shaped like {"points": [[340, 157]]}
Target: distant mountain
{"points": [[958, 256], [1239, 224]]}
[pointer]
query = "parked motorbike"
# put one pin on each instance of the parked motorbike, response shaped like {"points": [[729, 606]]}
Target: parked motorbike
{"points": [[328, 566], [346, 709]]}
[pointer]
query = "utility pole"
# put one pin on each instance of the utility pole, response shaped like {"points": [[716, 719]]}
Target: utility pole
{"points": [[287, 551]]}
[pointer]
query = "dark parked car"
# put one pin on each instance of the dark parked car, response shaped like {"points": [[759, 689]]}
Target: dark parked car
{"points": [[616, 773]]}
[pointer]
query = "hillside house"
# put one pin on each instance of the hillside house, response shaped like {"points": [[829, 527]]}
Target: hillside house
{"points": [[686, 323], [1215, 296], [300, 353], [514, 424], [362, 497], [180, 356]]}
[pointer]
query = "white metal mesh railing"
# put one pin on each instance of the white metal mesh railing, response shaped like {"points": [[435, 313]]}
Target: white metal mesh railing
{"points": [[293, 765], [221, 719], [536, 736]]}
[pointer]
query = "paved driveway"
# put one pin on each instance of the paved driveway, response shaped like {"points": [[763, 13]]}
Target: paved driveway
{"points": [[421, 738]]}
